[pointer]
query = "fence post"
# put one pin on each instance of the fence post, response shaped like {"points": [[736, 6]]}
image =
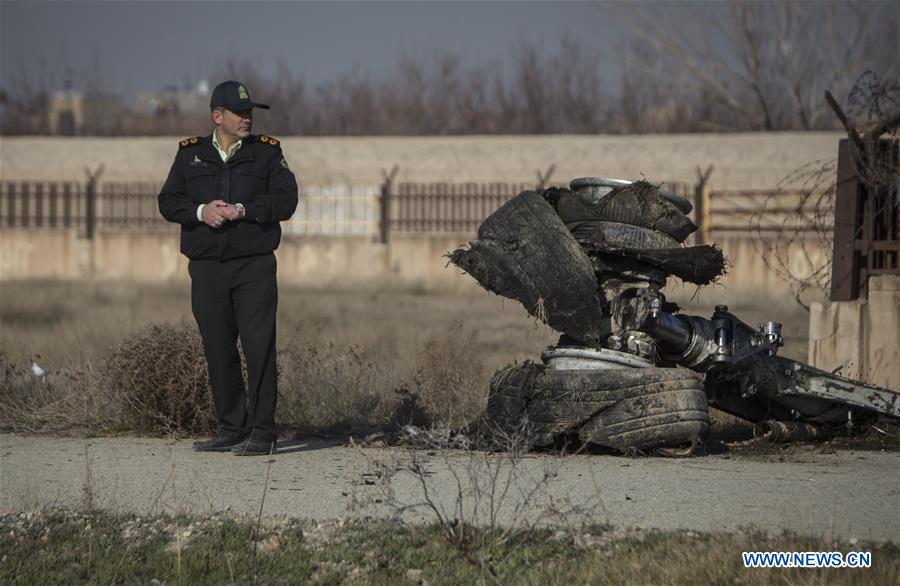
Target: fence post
{"points": [[11, 204], [67, 204], [701, 205], [53, 195], [90, 201], [384, 222], [39, 205], [543, 178], [845, 283]]}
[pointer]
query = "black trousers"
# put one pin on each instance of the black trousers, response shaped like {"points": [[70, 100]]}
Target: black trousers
{"points": [[234, 298]]}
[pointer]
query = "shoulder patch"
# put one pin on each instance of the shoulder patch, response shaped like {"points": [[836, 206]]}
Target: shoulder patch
{"points": [[268, 140], [188, 142]]}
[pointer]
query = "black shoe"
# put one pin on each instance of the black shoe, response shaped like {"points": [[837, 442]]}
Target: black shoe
{"points": [[219, 443], [255, 446]]}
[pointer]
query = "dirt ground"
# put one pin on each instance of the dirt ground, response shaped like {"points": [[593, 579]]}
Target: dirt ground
{"points": [[740, 161], [70, 324]]}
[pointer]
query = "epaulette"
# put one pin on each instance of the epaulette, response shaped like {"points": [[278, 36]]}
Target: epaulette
{"points": [[267, 140], [188, 142]]}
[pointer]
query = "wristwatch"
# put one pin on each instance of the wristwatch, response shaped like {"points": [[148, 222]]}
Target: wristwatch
{"points": [[240, 210]]}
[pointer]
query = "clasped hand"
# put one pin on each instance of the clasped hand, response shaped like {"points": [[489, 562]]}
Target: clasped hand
{"points": [[217, 212]]}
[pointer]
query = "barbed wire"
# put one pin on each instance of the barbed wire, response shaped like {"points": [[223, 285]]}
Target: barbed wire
{"points": [[795, 240], [794, 234], [872, 105]]}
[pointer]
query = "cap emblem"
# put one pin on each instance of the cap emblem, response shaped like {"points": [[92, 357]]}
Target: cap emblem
{"points": [[242, 93]]}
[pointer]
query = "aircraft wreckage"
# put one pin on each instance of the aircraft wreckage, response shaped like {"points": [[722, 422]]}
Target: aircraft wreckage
{"points": [[591, 262]]}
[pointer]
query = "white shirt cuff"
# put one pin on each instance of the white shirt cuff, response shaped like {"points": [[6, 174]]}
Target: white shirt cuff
{"points": [[200, 212]]}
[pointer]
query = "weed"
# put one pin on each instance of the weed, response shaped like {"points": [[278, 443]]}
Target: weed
{"points": [[450, 378], [330, 386], [494, 500]]}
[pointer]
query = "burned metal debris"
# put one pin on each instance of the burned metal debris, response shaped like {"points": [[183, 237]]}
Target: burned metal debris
{"points": [[591, 261]]}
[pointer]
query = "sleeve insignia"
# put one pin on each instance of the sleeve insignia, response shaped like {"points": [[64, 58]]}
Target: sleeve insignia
{"points": [[268, 140], [284, 163], [188, 142]]}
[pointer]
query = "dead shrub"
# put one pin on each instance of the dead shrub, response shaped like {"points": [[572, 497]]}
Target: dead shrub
{"points": [[450, 378], [161, 376]]}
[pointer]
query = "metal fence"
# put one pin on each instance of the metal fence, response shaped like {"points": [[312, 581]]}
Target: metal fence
{"points": [[42, 204], [332, 210], [447, 207], [335, 210], [768, 211], [458, 207], [371, 210], [130, 205]]}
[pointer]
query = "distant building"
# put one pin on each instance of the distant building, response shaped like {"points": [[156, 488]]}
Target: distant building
{"points": [[72, 113], [65, 114], [172, 101]]}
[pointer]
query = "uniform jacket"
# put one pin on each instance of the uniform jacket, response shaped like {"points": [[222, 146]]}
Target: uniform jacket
{"points": [[257, 176]]}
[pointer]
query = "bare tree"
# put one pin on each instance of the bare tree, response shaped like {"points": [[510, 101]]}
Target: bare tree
{"points": [[765, 66], [26, 99], [286, 94]]}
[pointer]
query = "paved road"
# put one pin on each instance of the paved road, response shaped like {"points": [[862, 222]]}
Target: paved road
{"points": [[842, 495]]}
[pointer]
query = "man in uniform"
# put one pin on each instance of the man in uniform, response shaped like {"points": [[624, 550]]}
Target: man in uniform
{"points": [[229, 191]]}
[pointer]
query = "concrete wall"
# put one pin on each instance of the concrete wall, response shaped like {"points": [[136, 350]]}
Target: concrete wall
{"points": [[320, 261], [862, 336], [750, 160]]}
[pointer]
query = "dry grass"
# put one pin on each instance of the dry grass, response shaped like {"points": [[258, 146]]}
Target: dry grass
{"points": [[66, 398], [334, 387], [348, 360]]}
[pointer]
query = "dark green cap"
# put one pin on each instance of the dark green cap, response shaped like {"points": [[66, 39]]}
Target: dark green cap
{"points": [[234, 96]]}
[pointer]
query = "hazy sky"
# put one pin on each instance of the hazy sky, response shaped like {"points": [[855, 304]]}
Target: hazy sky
{"points": [[144, 46]]}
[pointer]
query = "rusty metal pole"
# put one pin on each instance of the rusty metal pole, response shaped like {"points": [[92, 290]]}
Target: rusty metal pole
{"points": [[24, 204], [90, 208], [39, 205], [385, 204], [544, 178], [90, 201], [701, 205], [845, 259], [11, 204], [384, 222]]}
